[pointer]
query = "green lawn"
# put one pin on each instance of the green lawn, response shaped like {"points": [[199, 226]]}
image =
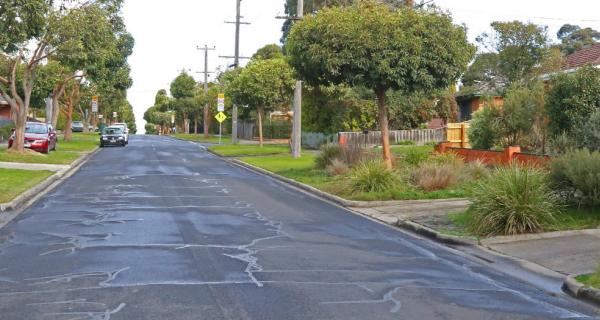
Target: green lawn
{"points": [[67, 151], [242, 150], [590, 280], [15, 182], [226, 139], [301, 170]]}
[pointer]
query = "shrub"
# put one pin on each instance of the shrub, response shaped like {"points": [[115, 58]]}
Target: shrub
{"points": [[447, 158], [372, 176], [405, 143], [415, 156], [484, 132], [561, 144], [589, 134], [512, 200], [577, 175], [435, 176], [5, 130], [337, 168], [327, 154]]}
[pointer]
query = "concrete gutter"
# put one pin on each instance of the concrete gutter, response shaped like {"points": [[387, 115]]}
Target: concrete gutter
{"points": [[580, 291], [27, 198]]}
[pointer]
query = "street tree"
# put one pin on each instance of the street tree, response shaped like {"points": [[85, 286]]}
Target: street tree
{"points": [[264, 85], [183, 89], [270, 51], [575, 38], [520, 48], [371, 45]]}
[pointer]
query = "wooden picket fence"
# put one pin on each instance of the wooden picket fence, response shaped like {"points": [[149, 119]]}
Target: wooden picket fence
{"points": [[373, 138]]}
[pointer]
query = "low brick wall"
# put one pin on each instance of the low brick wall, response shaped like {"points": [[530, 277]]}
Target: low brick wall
{"points": [[505, 157]]}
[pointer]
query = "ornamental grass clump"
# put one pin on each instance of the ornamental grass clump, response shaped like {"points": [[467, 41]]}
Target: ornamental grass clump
{"points": [[372, 176], [434, 176], [327, 154], [512, 200], [337, 168]]}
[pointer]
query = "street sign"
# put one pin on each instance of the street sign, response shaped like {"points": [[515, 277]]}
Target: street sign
{"points": [[221, 102], [114, 114], [100, 116], [95, 104], [221, 117]]}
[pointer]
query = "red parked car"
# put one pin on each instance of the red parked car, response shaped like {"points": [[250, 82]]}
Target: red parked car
{"points": [[39, 137]]}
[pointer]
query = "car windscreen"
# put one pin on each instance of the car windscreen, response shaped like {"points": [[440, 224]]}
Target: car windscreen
{"points": [[36, 128], [112, 131], [78, 123]]}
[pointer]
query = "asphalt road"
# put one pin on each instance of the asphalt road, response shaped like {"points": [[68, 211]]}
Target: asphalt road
{"points": [[163, 230]]}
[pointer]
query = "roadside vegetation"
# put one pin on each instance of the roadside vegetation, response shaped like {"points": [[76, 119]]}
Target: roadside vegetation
{"points": [[591, 280], [212, 139], [355, 173], [15, 182], [241, 150], [66, 151]]}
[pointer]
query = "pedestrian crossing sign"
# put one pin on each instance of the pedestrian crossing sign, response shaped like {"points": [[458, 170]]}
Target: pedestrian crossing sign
{"points": [[221, 117]]}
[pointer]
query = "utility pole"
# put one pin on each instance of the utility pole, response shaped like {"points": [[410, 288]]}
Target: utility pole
{"points": [[236, 64], [206, 72], [297, 107]]}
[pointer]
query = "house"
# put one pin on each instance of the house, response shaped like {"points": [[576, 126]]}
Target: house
{"points": [[470, 103], [587, 56], [4, 110]]}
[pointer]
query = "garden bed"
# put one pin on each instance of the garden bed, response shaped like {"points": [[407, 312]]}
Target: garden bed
{"points": [[304, 170], [243, 150]]}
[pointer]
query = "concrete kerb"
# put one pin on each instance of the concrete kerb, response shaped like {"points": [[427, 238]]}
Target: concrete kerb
{"points": [[580, 291], [30, 196], [394, 221]]}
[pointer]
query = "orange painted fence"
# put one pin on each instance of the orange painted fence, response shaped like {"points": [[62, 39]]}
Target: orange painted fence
{"points": [[505, 157]]}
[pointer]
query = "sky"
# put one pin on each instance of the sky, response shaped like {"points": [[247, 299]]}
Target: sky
{"points": [[167, 33]]}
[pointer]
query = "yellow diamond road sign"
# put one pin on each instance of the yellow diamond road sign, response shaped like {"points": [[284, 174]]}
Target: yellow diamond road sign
{"points": [[220, 117]]}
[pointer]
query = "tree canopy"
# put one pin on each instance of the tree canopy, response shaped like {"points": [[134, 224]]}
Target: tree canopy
{"points": [[574, 38], [371, 45]]}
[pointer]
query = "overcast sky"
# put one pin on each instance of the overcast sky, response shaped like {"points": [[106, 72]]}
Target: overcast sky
{"points": [[168, 32]]}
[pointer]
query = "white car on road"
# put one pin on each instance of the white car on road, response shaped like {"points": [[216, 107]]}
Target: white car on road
{"points": [[125, 130]]}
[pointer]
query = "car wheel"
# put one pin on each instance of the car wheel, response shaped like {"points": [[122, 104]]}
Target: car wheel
{"points": [[47, 150], [101, 145]]}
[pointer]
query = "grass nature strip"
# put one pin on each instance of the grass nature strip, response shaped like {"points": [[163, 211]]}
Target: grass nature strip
{"points": [[66, 151], [14, 182]]}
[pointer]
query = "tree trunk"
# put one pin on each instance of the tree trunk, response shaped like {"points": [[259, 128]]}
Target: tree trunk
{"points": [[383, 125], [206, 120], [20, 123], [260, 126], [72, 100]]}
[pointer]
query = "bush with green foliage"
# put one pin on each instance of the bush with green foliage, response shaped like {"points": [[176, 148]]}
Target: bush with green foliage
{"points": [[572, 98], [6, 131], [512, 200], [327, 154], [561, 144], [589, 134], [484, 132], [372, 176], [577, 175], [415, 156]]}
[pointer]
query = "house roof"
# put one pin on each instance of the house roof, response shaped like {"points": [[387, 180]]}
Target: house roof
{"points": [[586, 56]]}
